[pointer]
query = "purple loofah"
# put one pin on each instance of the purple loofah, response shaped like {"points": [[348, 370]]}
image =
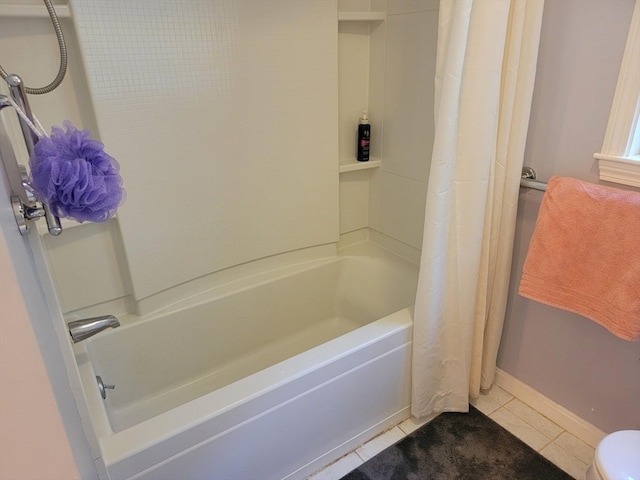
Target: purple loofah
{"points": [[73, 174]]}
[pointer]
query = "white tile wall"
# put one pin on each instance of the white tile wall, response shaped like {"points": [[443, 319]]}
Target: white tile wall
{"points": [[401, 209], [353, 5], [361, 87], [354, 201], [409, 87], [85, 262], [400, 213], [411, 6], [398, 191], [222, 115], [353, 86], [30, 50], [85, 265]]}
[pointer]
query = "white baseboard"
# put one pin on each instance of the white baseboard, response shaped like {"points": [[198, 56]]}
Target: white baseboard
{"points": [[556, 413]]}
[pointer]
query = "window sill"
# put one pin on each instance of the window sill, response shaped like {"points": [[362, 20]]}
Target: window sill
{"points": [[618, 169]]}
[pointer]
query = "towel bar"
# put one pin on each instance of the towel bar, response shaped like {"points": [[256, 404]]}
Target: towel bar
{"points": [[528, 180]]}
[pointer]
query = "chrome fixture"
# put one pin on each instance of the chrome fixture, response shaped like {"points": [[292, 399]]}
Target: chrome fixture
{"points": [[25, 205], [88, 327], [528, 180], [103, 388], [63, 56]]}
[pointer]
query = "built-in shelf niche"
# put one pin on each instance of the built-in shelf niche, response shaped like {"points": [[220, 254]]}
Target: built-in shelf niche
{"points": [[361, 75], [361, 50]]}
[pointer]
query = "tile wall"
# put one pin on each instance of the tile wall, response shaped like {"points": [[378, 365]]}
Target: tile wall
{"points": [[389, 200], [399, 188], [222, 116], [400, 86]]}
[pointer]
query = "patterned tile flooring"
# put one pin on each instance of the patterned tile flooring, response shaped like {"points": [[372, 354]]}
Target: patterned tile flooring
{"points": [[559, 446]]}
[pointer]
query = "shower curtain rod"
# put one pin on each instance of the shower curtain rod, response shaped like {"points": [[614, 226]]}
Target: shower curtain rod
{"points": [[528, 180]]}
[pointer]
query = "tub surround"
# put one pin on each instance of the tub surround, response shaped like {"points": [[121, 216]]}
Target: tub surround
{"points": [[237, 122], [90, 264]]}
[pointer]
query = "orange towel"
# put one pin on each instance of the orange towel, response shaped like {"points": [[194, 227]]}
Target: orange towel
{"points": [[584, 254]]}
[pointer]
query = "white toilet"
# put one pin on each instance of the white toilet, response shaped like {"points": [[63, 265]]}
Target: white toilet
{"points": [[617, 457]]}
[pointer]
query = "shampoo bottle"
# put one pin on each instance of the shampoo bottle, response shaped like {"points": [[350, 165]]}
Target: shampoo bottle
{"points": [[364, 137]]}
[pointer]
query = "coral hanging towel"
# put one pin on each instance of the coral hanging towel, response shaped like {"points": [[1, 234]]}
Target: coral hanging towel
{"points": [[584, 254]]}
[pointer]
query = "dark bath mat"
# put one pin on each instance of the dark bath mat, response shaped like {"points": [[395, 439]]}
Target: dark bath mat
{"points": [[459, 446]]}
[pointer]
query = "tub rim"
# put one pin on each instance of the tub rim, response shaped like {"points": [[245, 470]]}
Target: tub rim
{"points": [[115, 447], [118, 446]]}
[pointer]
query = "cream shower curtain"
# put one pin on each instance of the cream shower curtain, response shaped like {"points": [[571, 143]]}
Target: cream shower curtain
{"points": [[485, 71]]}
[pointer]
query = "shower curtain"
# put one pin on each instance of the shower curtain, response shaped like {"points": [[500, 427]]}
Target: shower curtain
{"points": [[485, 72]]}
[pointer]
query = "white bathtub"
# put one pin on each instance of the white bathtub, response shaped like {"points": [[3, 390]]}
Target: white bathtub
{"points": [[270, 377]]}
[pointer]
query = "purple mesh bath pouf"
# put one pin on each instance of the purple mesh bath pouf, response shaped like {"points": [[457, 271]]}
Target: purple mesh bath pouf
{"points": [[73, 174]]}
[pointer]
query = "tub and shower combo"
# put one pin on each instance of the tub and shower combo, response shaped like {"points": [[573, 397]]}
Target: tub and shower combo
{"points": [[278, 368], [271, 376]]}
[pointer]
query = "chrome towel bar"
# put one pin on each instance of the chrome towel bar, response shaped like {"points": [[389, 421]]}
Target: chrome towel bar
{"points": [[528, 180]]}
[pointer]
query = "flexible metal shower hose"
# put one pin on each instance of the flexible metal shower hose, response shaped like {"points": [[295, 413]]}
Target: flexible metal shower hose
{"points": [[63, 56]]}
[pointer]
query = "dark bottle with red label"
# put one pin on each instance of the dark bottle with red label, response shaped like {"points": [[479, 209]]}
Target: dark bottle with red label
{"points": [[364, 137]]}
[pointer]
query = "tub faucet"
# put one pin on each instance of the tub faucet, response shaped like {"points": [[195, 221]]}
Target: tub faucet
{"points": [[88, 327]]}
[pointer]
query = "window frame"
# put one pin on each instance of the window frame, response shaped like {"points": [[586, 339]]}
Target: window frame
{"points": [[618, 161]]}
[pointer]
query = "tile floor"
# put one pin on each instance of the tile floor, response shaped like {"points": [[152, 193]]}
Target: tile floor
{"points": [[562, 448]]}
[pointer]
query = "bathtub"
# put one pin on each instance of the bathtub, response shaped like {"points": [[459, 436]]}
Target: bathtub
{"points": [[270, 377]]}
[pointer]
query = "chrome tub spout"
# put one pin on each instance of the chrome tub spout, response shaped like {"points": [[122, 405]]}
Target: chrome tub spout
{"points": [[85, 328]]}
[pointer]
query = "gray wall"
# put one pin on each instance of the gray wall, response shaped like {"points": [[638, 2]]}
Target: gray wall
{"points": [[566, 357]]}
